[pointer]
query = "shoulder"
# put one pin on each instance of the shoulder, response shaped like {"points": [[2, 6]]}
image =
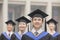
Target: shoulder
{"points": [[47, 34], [14, 33], [26, 34], [3, 33]]}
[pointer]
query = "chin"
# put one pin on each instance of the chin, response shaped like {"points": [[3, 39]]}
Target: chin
{"points": [[22, 29], [37, 26], [9, 30]]}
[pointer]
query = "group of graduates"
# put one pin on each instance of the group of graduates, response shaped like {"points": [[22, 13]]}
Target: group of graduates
{"points": [[37, 19]]}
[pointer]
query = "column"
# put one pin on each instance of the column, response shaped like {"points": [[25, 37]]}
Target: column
{"points": [[49, 12], [27, 10], [5, 13]]}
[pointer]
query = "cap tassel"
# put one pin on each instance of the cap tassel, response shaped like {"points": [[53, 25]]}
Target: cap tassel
{"points": [[45, 25]]}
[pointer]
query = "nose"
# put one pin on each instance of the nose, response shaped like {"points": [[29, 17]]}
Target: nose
{"points": [[37, 21]]}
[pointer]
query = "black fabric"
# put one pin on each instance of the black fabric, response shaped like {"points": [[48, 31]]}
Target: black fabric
{"points": [[56, 38], [13, 37], [23, 19], [38, 13], [47, 37], [2, 37], [10, 22], [52, 21]]}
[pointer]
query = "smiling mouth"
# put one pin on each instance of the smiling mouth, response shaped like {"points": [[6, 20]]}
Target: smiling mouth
{"points": [[21, 27], [36, 23]]}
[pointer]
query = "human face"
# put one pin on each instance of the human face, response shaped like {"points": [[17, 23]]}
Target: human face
{"points": [[22, 26], [51, 26], [37, 22], [9, 27]]}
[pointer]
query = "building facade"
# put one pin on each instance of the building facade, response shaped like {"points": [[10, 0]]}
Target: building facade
{"points": [[12, 9]]}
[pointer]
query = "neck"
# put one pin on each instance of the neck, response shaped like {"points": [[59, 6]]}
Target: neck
{"points": [[52, 30], [37, 29], [22, 31], [9, 31]]}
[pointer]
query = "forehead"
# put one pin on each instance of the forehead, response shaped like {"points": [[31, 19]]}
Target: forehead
{"points": [[22, 22], [52, 23], [37, 18], [9, 24]]}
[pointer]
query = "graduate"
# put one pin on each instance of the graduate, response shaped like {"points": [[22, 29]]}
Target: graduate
{"points": [[52, 26], [37, 33], [7, 35], [23, 21]]}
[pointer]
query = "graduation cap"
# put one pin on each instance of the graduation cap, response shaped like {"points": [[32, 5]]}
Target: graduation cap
{"points": [[38, 13], [23, 19], [52, 21], [10, 22]]}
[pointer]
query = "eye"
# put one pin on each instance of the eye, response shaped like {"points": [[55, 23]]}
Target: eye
{"points": [[35, 19], [39, 19], [23, 23]]}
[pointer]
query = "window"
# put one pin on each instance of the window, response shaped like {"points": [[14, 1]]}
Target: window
{"points": [[15, 11], [10, 14]]}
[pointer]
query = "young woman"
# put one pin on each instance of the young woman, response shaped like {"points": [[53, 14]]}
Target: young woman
{"points": [[7, 35], [23, 21], [52, 24]]}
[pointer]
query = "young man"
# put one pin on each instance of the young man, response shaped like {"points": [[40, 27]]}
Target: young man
{"points": [[37, 33], [52, 26], [7, 35], [23, 21]]}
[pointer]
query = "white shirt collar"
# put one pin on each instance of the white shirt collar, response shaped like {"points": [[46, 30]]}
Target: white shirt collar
{"points": [[52, 33], [10, 33], [39, 31], [22, 34]]}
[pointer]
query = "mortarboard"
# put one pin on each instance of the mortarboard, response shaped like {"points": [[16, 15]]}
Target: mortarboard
{"points": [[38, 13], [52, 20], [10, 22], [23, 19]]}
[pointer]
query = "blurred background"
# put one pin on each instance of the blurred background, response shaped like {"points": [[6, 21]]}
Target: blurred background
{"points": [[13, 9]]}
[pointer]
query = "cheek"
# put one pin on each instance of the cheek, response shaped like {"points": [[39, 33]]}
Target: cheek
{"points": [[40, 22], [51, 27], [33, 22], [9, 28], [22, 26]]}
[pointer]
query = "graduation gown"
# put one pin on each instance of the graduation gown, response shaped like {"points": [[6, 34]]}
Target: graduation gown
{"points": [[55, 36], [30, 36], [15, 36], [4, 36]]}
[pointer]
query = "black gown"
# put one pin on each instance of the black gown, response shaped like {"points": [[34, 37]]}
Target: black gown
{"points": [[4, 36], [15, 36], [55, 36], [30, 36]]}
